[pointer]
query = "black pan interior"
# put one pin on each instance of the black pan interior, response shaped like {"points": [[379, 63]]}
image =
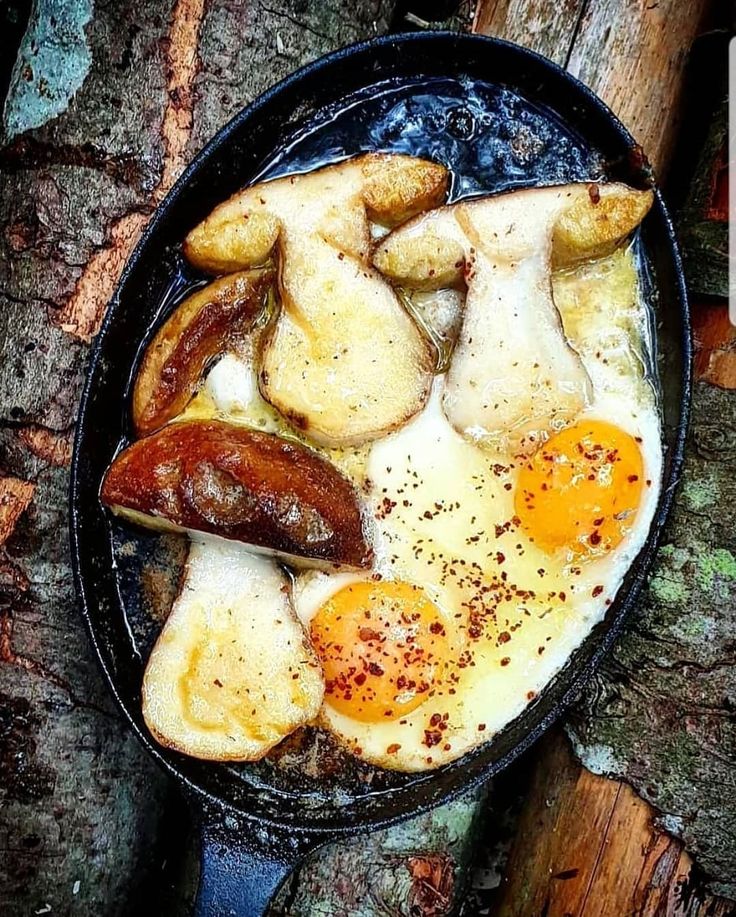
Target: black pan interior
{"points": [[499, 117]]}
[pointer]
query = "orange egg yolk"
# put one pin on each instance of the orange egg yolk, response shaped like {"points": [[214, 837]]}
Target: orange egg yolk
{"points": [[581, 490], [382, 646]]}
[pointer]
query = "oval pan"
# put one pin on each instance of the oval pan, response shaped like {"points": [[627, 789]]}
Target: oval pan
{"points": [[500, 116]]}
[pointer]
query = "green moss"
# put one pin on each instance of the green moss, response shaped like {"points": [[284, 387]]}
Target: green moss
{"points": [[712, 565], [668, 588], [692, 628], [681, 757], [699, 494]]}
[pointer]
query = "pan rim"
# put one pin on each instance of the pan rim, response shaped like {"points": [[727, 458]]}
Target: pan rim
{"points": [[642, 563]]}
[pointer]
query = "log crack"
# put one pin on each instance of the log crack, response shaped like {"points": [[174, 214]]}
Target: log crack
{"points": [[82, 314], [10, 657], [15, 495]]}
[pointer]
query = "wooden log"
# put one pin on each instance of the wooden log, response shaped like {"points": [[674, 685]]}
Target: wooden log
{"points": [[548, 28], [419, 869], [632, 54], [589, 847], [715, 344]]}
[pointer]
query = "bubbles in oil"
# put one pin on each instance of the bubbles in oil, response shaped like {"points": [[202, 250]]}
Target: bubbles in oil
{"points": [[490, 138]]}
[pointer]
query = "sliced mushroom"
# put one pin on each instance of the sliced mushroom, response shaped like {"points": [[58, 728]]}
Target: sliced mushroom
{"points": [[513, 378], [275, 495], [345, 361], [198, 330], [231, 673]]}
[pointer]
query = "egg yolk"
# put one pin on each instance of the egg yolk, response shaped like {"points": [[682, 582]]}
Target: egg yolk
{"points": [[382, 646], [581, 490]]}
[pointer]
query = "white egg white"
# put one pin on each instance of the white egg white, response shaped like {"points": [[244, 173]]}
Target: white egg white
{"points": [[438, 499], [441, 509]]}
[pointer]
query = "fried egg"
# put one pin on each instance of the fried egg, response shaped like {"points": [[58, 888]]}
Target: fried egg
{"points": [[489, 570]]}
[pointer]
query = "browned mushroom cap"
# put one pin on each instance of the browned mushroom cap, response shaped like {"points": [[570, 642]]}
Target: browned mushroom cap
{"points": [[398, 187], [198, 330], [228, 480], [242, 231]]}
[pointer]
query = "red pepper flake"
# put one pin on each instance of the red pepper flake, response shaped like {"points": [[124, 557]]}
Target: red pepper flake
{"points": [[597, 591], [432, 737], [632, 478], [217, 682], [504, 637], [392, 749], [595, 538], [375, 669], [435, 719], [481, 727], [360, 679], [367, 633], [506, 660]]}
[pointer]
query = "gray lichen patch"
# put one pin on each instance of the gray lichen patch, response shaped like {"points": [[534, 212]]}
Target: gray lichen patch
{"points": [[52, 64]]}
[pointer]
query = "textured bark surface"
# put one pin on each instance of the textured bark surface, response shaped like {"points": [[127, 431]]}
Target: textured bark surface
{"points": [[419, 869], [661, 712]]}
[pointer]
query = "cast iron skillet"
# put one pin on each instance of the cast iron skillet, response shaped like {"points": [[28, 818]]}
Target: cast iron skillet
{"points": [[500, 117]]}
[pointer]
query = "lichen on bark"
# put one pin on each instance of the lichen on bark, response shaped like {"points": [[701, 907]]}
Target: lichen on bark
{"points": [[660, 713]]}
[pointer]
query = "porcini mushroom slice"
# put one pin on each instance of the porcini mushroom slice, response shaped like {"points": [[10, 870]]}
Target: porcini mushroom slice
{"points": [[275, 495], [344, 361], [231, 673], [198, 330], [513, 378]]}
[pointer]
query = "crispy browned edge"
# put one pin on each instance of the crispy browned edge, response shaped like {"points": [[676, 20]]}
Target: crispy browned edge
{"points": [[244, 485], [199, 329]]}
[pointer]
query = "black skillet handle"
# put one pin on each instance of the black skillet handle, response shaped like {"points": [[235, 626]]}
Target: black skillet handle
{"points": [[244, 864]]}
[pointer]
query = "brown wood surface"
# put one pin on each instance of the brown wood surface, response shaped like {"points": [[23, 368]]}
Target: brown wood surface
{"points": [[632, 53], [586, 846], [548, 28]]}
